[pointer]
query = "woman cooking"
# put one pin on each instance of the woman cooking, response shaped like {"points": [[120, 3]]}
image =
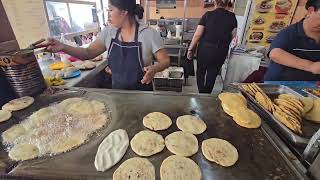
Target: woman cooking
{"points": [[131, 47]]}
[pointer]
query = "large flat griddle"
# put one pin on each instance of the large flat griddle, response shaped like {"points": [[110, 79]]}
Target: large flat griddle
{"points": [[258, 158]]}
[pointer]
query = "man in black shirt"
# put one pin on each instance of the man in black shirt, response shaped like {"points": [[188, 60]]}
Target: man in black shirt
{"points": [[214, 33]]}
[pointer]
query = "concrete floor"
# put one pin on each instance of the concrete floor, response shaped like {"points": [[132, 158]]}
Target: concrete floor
{"points": [[191, 85]]}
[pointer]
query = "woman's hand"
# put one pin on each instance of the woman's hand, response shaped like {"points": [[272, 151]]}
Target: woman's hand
{"points": [[108, 71], [53, 45], [150, 71], [190, 55]]}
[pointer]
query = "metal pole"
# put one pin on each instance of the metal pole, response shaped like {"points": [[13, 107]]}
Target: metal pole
{"points": [[103, 15], [146, 9], [184, 19], [247, 22]]}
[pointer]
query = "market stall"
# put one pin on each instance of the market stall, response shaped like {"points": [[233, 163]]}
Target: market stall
{"points": [[258, 154], [74, 130]]}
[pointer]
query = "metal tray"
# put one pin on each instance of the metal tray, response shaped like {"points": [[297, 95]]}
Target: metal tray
{"points": [[273, 91], [258, 157], [311, 94]]}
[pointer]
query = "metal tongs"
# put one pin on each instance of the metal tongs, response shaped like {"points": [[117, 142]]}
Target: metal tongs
{"points": [[33, 46]]}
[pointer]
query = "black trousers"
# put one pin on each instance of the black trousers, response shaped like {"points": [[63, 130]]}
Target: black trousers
{"points": [[210, 59]]}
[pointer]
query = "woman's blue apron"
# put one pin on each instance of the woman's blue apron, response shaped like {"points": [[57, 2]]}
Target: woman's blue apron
{"points": [[126, 63]]}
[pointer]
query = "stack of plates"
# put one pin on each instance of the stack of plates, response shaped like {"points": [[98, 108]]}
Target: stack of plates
{"points": [[25, 79]]}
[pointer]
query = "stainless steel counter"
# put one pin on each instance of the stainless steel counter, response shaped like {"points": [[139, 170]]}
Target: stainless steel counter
{"points": [[258, 156]]}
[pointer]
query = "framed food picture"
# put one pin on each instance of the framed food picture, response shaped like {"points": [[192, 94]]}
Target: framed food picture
{"points": [[268, 19]]}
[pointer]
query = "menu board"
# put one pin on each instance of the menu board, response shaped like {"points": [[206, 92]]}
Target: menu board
{"points": [[268, 19]]}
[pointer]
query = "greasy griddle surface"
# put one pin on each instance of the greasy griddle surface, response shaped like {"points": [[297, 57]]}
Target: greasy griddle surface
{"points": [[258, 159]]}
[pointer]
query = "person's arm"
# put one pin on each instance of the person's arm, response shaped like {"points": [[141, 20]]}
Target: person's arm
{"points": [[96, 48], [280, 53], [285, 58], [196, 37], [234, 25], [163, 60], [161, 56], [234, 33], [163, 63]]}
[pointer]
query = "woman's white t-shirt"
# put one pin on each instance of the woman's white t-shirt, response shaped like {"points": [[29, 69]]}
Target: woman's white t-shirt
{"points": [[150, 39]]}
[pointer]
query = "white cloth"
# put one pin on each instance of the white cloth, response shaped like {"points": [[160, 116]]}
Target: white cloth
{"points": [[239, 67]]}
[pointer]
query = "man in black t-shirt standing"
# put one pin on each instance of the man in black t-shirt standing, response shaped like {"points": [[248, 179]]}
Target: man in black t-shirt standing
{"points": [[214, 33]]}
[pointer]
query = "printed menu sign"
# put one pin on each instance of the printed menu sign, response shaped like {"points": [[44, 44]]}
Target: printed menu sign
{"points": [[269, 18]]}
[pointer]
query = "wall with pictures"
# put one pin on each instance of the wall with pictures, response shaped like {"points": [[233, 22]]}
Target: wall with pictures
{"points": [[298, 14], [269, 18]]}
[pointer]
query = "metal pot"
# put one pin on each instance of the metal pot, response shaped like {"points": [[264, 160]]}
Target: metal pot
{"points": [[22, 72]]}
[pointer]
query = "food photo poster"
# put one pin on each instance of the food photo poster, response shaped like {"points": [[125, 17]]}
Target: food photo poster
{"points": [[268, 19]]}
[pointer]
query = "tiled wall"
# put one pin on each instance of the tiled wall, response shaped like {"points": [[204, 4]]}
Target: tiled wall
{"points": [[196, 9]]}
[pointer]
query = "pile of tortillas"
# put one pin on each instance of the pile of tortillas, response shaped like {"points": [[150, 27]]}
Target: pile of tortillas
{"points": [[55, 129], [235, 105], [146, 143], [288, 109], [15, 105]]}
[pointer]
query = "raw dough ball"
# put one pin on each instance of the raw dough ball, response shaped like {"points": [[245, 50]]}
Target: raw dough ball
{"points": [[67, 74], [18, 104], [135, 169], [147, 143], [179, 168], [59, 74], [89, 64], [157, 121], [111, 150], [220, 151], [191, 124], [182, 144]]}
